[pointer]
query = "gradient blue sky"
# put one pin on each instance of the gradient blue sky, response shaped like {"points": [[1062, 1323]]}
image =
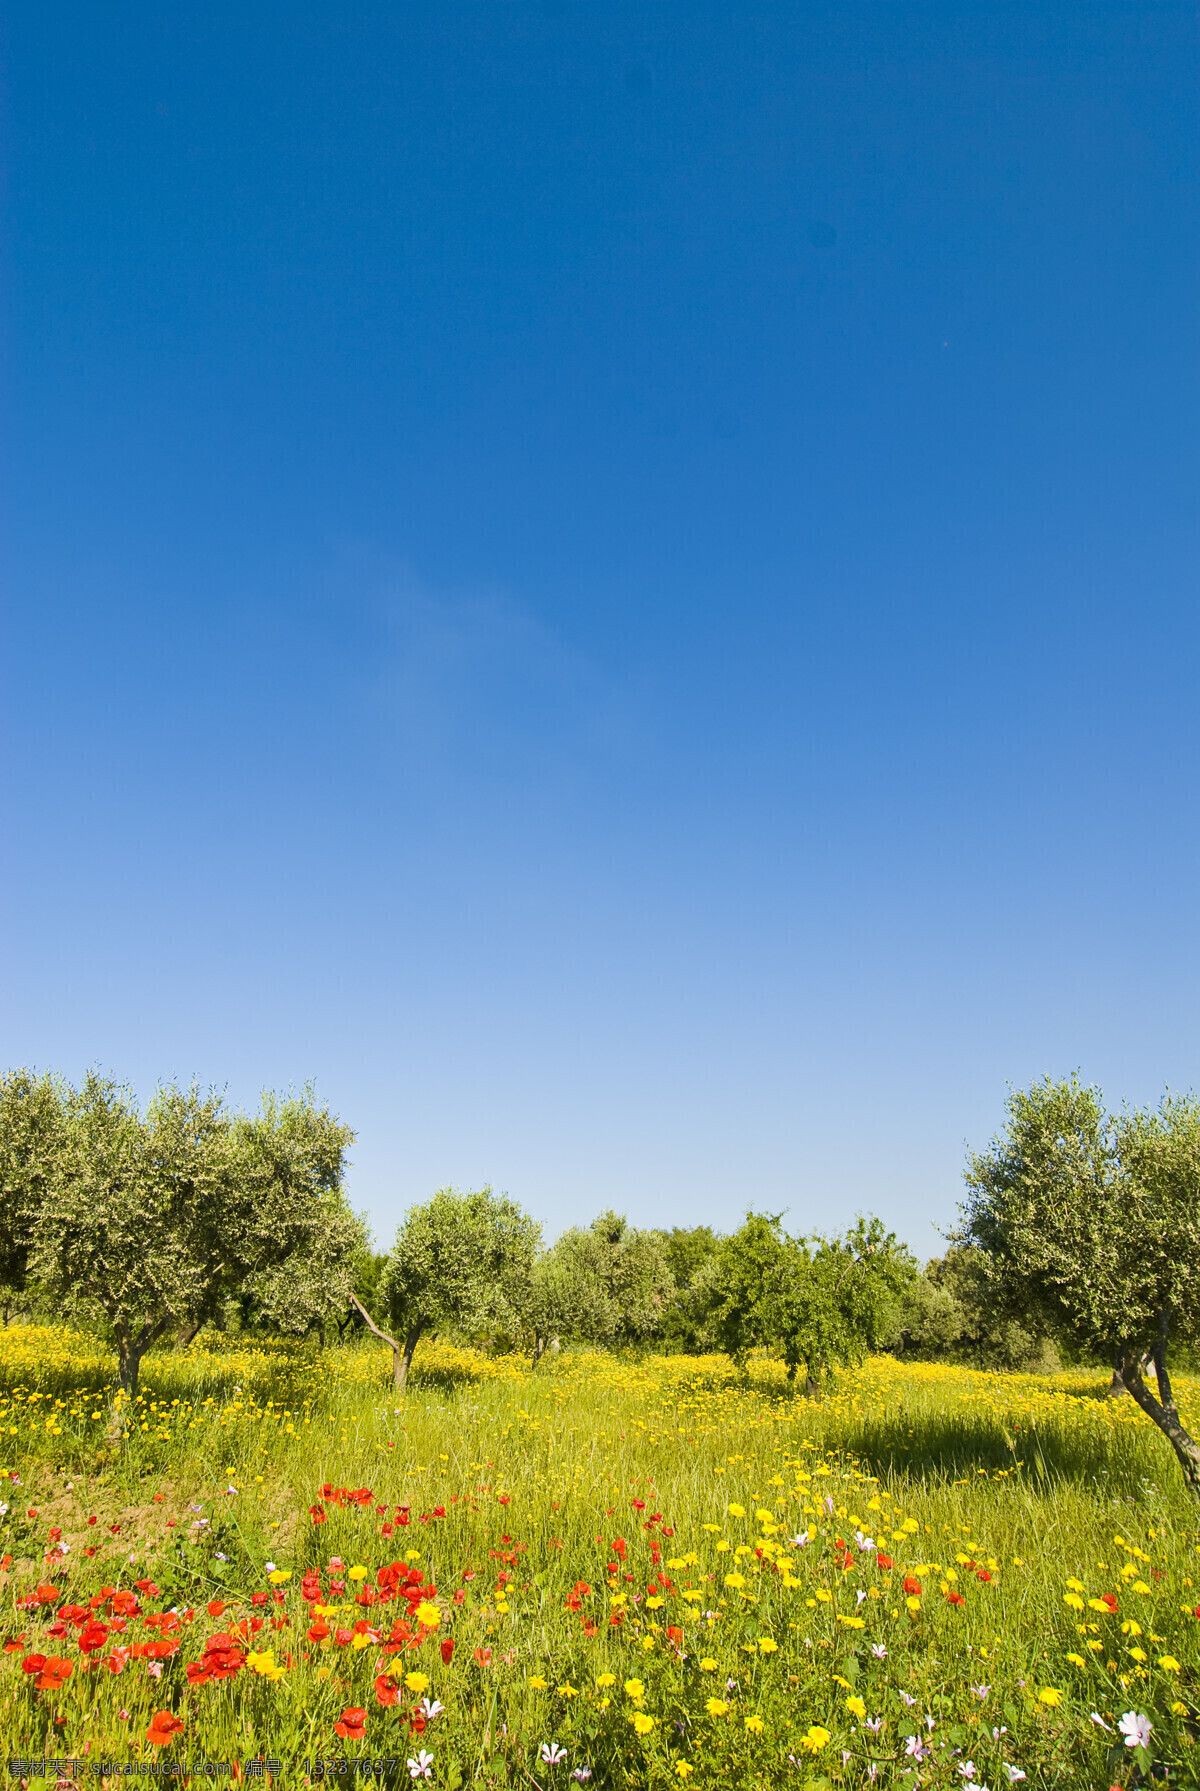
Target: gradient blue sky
{"points": [[616, 584]]}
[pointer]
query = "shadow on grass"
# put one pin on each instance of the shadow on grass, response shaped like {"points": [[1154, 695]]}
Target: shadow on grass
{"points": [[445, 1378], [948, 1448]]}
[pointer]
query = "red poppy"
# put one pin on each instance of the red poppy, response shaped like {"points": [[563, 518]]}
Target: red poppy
{"points": [[215, 1607], [387, 1692], [447, 1650], [167, 1622], [222, 1657], [353, 1724], [33, 1663], [54, 1674], [318, 1630], [884, 1562], [484, 1655], [912, 1587], [163, 1727], [1108, 1598], [92, 1636], [955, 1598]]}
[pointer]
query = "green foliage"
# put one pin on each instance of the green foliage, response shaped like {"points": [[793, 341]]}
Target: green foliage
{"points": [[461, 1262], [822, 1303], [151, 1221], [609, 1285], [950, 1312], [1091, 1224], [751, 1267], [691, 1259], [840, 1297], [32, 1118]]}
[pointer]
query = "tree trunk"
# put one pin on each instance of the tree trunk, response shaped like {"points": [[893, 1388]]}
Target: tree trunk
{"points": [[1162, 1411], [539, 1349], [1117, 1384], [402, 1364], [402, 1354], [187, 1332], [129, 1367]]}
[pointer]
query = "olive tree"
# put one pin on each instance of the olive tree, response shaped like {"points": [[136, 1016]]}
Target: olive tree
{"points": [[821, 1302], [151, 1220], [1090, 1224], [840, 1298], [609, 1284], [459, 1262], [32, 1117]]}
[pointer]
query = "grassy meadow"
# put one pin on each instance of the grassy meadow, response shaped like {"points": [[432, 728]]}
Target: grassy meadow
{"points": [[609, 1572]]}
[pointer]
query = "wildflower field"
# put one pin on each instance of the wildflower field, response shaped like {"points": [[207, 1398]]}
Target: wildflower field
{"points": [[611, 1572]]}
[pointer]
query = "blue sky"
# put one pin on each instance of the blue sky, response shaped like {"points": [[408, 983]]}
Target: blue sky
{"points": [[614, 584]]}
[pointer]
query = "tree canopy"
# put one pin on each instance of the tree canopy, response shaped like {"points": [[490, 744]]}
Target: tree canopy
{"points": [[150, 1220], [609, 1284], [821, 1302], [1092, 1223], [460, 1261]]}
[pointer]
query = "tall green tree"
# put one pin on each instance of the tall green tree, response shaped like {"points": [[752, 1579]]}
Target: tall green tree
{"points": [[1091, 1225], [691, 1253], [751, 1268], [840, 1298], [459, 1262], [821, 1302], [609, 1285], [150, 1221], [32, 1135]]}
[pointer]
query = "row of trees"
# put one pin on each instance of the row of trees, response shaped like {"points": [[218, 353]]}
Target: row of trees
{"points": [[1080, 1229], [158, 1222], [472, 1263]]}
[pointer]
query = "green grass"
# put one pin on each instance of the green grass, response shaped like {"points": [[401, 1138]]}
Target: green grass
{"points": [[538, 1475]]}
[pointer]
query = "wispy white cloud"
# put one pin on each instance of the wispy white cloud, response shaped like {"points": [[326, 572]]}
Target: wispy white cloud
{"points": [[474, 685]]}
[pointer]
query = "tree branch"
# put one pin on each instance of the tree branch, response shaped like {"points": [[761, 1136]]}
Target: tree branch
{"points": [[370, 1322], [1165, 1392]]}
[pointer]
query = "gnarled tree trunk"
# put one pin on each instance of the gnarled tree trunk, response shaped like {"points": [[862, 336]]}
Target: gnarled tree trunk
{"points": [[402, 1353], [1162, 1411]]}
